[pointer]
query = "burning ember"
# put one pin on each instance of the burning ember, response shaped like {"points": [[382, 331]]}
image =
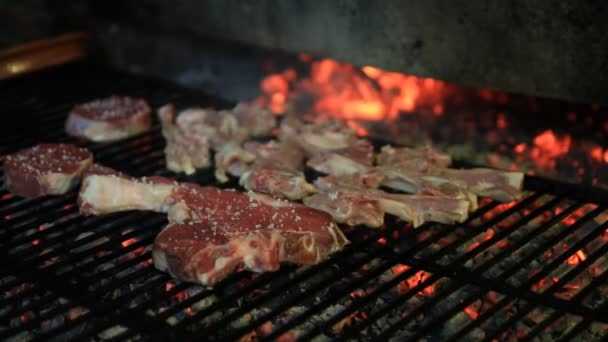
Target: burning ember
{"points": [[413, 281], [348, 92], [472, 124]]}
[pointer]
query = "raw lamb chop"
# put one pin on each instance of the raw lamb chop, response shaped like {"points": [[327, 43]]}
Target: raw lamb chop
{"points": [[113, 118], [45, 169]]}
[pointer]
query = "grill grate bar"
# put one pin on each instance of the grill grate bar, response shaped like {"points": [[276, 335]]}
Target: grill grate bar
{"points": [[99, 266], [564, 279], [466, 277], [523, 312], [432, 258], [284, 284], [370, 256], [579, 296], [369, 297], [505, 253], [354, 285]]}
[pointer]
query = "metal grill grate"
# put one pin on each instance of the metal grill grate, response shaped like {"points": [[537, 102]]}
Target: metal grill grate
{"points": [[535, 268]]}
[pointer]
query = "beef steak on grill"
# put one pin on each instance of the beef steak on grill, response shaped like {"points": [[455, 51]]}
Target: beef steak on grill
{"points": [[218, 230], [45, 169], [112, 118], [213, 230]]}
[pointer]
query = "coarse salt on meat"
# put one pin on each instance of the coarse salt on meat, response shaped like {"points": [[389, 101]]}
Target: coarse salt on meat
{"points": [[260, 235], [112, 118], [45, 169]]}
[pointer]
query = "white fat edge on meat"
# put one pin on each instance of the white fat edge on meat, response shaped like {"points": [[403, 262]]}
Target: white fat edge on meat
{"points": [[245, 179], [185, 166], [337, 165], [251, 254], [177, 212], [60, 183], [300, 189], [326, 140], [399, 209], [111, 192], [268, 200], [160, 260]]}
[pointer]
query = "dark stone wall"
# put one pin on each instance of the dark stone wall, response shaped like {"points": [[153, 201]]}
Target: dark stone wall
{"points": [[547, 48], [22, 21]]}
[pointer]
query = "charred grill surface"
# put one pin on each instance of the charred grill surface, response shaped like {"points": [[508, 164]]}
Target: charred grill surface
{"points": [[533, 268]]}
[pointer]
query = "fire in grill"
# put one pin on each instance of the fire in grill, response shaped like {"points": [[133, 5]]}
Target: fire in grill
{"points": [[536, 268]]}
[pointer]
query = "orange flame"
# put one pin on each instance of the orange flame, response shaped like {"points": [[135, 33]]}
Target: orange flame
{"points": [[347, 92]]}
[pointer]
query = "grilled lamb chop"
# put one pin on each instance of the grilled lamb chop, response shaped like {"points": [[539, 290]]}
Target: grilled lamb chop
{"points": [[187, 150], [408, 181], [412, 208], [316, 138], [340, 166], [276, 153], [194, 131], [277, 181], [231, 158], [45, 169], [256, 120], [500, 185], [276, 170], [109, 119], [393, 156], [349, 207], [361, 151]]}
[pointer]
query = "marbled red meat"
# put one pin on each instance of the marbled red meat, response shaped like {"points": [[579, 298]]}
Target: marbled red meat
{"points": [[216, 230], [45, 169], [112, 118]]}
